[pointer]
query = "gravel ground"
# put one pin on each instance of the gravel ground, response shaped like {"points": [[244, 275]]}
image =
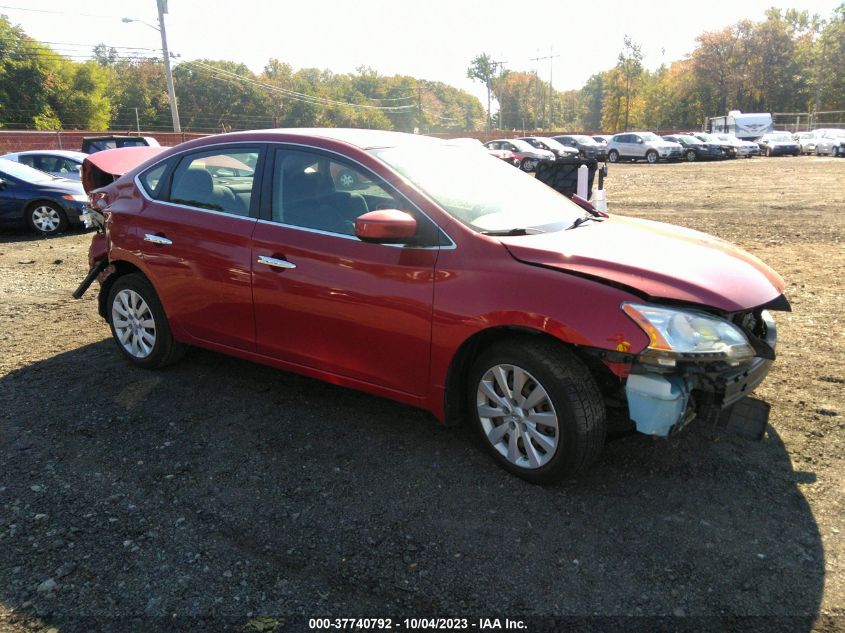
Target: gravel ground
{"points": [[223, 495]]}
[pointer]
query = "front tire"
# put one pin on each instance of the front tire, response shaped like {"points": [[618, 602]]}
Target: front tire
{"points": [[691, 156], [613, 156], [651, 156], [46, 218], [537, 408], [139, 325]]}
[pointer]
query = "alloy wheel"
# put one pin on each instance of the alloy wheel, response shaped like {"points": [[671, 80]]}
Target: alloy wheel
{"points": [[46, 218], [133, 323], [517, 416]]}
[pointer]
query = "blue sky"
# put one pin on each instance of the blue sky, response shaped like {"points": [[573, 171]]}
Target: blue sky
{"points": [[435, 39]]}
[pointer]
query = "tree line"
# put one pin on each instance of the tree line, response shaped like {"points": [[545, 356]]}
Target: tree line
{"points": [[790, 61], [43, 89]]}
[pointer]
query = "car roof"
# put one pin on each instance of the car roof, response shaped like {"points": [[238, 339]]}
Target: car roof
{"points": [[363, 139], [63, 153]]}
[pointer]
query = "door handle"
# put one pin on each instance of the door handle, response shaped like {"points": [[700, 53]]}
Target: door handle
{"points": [[157, 239], [275, 263]]}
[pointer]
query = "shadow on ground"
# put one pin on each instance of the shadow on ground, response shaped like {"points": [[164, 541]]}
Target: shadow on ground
{"points": [[225, 491]]}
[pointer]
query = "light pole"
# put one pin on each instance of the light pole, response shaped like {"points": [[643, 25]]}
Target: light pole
{"points": [[171, 92]]}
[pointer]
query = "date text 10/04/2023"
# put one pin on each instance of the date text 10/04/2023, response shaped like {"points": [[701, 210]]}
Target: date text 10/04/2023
{"points": [[416, 624]]}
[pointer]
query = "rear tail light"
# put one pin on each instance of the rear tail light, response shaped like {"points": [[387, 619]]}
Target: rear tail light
{"points": [[98, 200]]}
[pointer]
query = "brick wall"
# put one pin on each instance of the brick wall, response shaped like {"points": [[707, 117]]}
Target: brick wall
{"points": [[17, 141]]}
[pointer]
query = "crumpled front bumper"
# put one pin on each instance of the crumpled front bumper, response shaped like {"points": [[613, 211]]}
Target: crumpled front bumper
{"points": [[663, 403]]}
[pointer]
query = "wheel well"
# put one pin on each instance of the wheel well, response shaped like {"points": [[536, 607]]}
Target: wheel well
{"points": [[456, 379], [121, 268]]}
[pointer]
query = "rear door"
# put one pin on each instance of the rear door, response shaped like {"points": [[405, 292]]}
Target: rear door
{"points": [[623, 145], [195, 238], [328, 301]]}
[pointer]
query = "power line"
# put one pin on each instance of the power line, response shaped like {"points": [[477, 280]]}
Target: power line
{"points": [[87, 15], [296, 95]]}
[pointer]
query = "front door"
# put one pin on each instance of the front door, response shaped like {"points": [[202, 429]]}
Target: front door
{"points": [[328, 301]]}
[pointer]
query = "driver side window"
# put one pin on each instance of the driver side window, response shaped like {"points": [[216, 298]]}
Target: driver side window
{"points": [[315, 192]]}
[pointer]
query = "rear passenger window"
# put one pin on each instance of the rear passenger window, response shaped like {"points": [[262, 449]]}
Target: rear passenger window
{"points": [[216, 180], [152, 179]]}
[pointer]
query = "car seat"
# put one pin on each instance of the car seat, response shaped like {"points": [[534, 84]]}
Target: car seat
{"points": [[195, 187]]}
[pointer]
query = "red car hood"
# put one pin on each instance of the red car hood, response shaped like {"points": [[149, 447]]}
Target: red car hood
{"points": [[660, 260]]}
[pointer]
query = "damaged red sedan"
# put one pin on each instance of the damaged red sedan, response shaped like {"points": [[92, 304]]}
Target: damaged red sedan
{"points": [[438, 277]]}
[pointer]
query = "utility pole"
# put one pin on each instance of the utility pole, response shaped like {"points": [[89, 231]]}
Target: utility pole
{"points": [[137, 122], [171, 92], [419, 109], [551, 56]]}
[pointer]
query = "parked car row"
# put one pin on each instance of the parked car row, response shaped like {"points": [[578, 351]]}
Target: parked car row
{"points": [[527, 151], [41, 189], [694, 146], [821, 142]]}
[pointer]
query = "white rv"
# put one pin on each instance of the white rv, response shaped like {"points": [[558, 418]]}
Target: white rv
{"points": [[748, 125]]}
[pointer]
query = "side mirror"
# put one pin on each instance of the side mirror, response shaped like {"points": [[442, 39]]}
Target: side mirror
{"points": [[2, 183], [640, 141], [386, 226]]}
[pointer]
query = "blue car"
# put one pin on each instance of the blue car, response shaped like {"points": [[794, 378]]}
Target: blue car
{"points": [[45, 203]]}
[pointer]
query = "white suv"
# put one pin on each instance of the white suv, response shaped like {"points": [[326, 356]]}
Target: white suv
{"points": [[637, 145]]}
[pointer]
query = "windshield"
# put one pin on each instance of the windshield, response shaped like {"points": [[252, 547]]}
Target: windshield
{"points": [[22, 172], [482, 192], [552, 144], [522, 146], [726, 137], [707, 138], [691, 140], [585, 140], [779, 137]]}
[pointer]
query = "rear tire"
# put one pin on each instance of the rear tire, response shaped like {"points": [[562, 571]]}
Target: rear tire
{"points": [[545, 417], [139, 325]]}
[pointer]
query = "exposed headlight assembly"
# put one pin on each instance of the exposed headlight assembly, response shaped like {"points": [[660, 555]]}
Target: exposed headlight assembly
{"points": [[688, 335]]}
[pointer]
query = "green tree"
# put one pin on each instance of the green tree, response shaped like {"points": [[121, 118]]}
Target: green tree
{"points": [[482, 68]]}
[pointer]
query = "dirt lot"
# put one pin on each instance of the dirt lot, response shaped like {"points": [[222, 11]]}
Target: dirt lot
{"points": [[220, 494]]}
